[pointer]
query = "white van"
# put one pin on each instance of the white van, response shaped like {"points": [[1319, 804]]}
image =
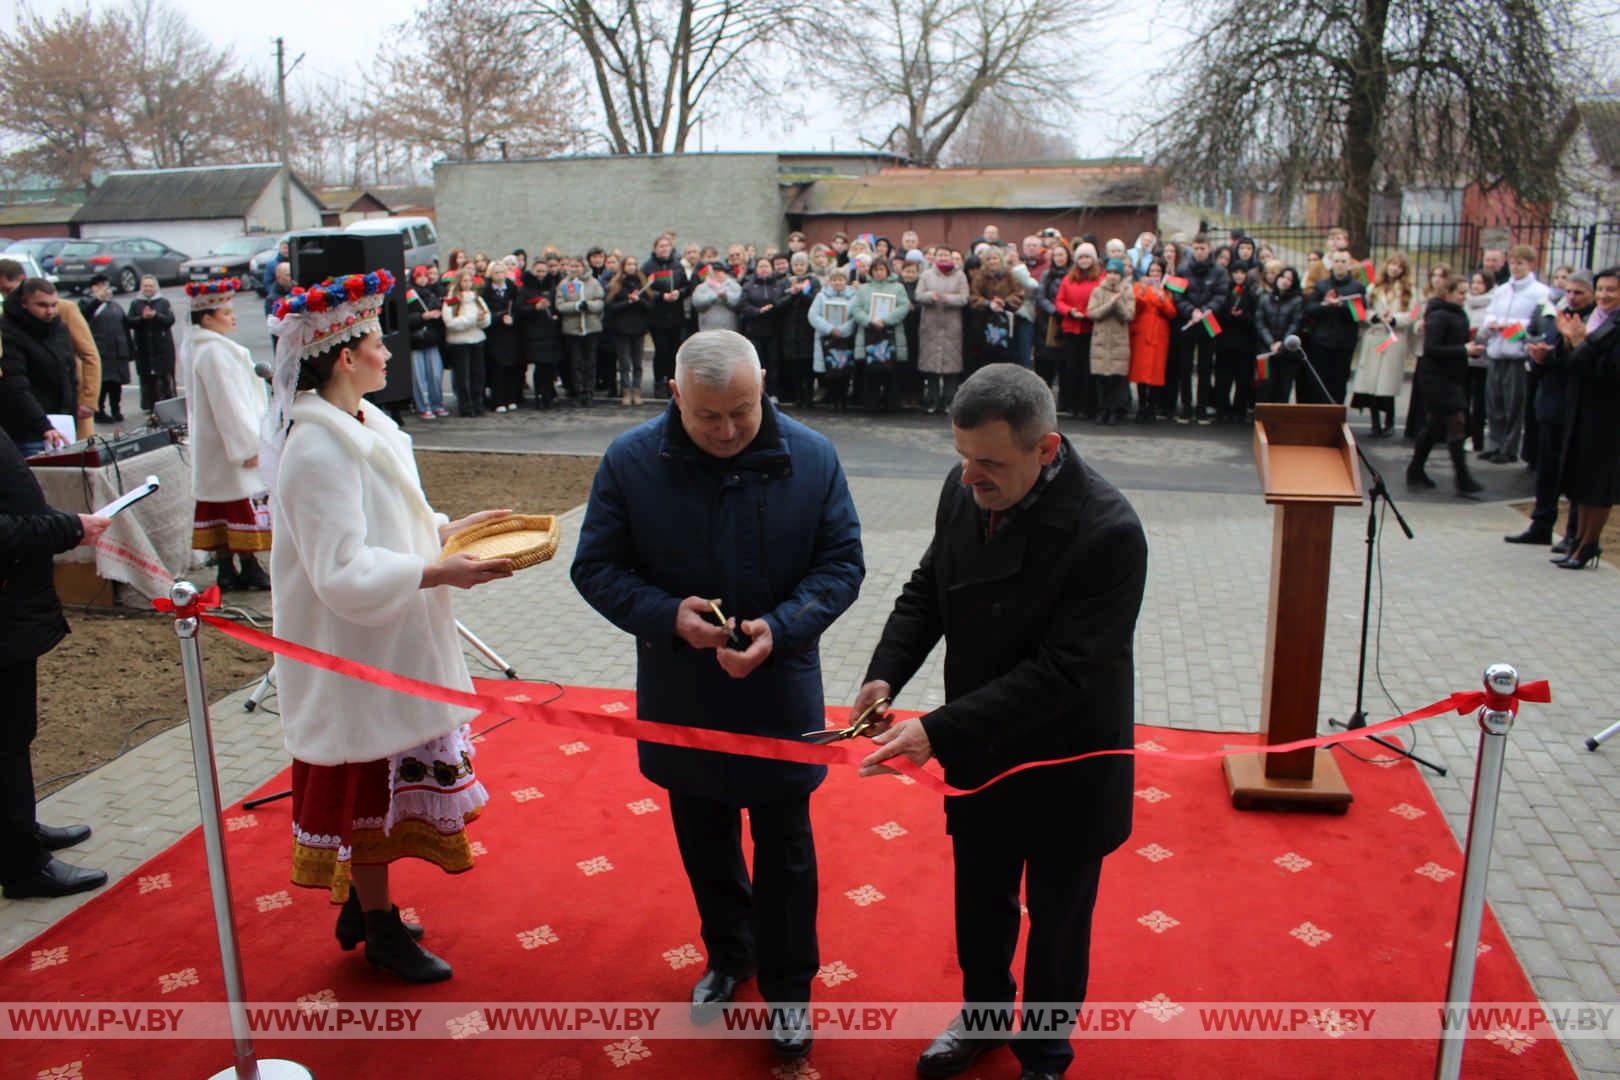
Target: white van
{"points": [[421, 239]]}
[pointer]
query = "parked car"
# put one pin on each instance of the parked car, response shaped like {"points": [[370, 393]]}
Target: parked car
{"points": [[123, 259], [421, 238], [29, 266], [263, 258], [43, 250], [230, 258]]}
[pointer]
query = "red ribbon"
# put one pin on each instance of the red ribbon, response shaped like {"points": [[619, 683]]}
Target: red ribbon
{"points": [[206, 600], [764, 746], [1473, 699]]}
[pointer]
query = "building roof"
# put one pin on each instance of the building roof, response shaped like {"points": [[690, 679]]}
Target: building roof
{"points": [[341, 199], [1113, 182], [25, 214], [227, 191]]}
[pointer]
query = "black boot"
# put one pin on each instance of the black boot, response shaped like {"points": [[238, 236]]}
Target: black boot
{"points": [[253, 575], [229, 579], [389, 945], [1466, 484], [1415, 476], [351, 924]]}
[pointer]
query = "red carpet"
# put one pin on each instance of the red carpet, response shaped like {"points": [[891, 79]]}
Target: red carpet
{"points": [[1203, 904]]}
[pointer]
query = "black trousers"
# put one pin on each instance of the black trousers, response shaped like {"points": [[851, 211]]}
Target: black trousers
{"points": [[581, 364], [20, 853], [111, 399], [1549, 459], [1077, 390], [1199, 359], [1060, 892], [769, 923], [666, 343], [467, 377], [1333, 365], [1476, 405]]}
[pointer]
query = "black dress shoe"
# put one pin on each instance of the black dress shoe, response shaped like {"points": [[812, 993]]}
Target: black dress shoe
{"points": [[790, 1032], [55, 878], [712, 991], [54, 838], [953, 1052], [1532, 535], [1564, 546]]}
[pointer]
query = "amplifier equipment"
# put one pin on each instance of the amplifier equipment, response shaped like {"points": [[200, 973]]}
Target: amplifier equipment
{"points": [[101, 451]]}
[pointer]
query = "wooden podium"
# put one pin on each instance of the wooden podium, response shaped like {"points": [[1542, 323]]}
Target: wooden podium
{"points": [[1307, 461]]}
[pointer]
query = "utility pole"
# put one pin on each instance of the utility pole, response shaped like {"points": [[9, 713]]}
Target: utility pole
{"points": [[282, 71]]}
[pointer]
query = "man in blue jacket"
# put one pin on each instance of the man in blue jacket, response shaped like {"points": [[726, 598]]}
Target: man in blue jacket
{"points": [[724, 500]]}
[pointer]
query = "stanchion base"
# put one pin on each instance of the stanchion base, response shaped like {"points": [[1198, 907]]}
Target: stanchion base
{"points": [[1251, 789], [271, 1069]]}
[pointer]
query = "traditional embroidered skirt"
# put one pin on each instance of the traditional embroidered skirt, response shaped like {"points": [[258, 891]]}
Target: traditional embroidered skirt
{"points": [[414, 805], [240, 526]]}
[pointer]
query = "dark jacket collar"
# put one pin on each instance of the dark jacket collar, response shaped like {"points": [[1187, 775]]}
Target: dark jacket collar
{"points": [[767, 454]]}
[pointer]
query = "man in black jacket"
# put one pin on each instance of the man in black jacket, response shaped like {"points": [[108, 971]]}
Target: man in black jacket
{"points": [[31, 624], [39, 355], [110, 329], [1208, 289], [668, 285], [1554, 395], [1034, 578]]}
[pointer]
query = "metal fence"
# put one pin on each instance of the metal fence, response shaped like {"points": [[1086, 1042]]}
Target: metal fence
{"points": [[1457, 244]]}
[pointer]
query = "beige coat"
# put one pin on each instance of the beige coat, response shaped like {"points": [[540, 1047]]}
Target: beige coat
{"points": [[1111, 309], [939, 328]]}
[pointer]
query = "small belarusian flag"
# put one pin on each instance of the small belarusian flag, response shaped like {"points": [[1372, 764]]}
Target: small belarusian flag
{"points": [[411, 297], [1367, 272], [661, 275], [1387, 342], [1416, 314], [1358, 309], [1211, 327], [1513, 331], [1262, 367], [1176, 284]]}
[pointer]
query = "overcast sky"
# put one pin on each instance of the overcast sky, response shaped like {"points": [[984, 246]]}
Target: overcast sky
{"points": [[338, 39]]}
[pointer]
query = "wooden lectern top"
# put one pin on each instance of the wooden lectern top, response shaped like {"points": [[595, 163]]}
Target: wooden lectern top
{"points": [[1306, 454]]}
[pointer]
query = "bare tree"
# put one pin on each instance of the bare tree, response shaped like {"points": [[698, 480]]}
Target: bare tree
{"points": [[61, 90], [175, 89], [928, 64], [1372, 92], [997, 132], [655, 63], [474, 79]]}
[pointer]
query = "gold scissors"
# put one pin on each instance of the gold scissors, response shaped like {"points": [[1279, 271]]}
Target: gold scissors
{"points": [[734, 639], [869, 717]]}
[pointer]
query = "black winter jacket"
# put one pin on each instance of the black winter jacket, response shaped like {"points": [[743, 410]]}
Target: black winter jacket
{"points": [[625, 317], [1333, 327], [1208, 287], [1279, 316], [31, 532], [756, 294], [421, 299], [39, 357], [662, 314], [153, 338]]}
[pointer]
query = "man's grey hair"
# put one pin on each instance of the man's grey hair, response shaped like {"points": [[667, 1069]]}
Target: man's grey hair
{"points": [[1011, 393], [712, 357]]}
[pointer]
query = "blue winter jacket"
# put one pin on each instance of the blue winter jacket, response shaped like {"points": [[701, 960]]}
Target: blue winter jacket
{"points": [[773, 534]]}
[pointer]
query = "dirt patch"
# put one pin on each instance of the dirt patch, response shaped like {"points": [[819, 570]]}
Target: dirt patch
{"points": [[1610, 540], [115, 682]]}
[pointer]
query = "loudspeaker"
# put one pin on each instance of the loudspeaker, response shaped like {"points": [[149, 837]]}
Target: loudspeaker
{"points": [[318, 256]]}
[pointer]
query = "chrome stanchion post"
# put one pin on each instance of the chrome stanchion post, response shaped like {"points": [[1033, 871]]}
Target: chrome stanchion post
{"points": [[186, 624], [1494, 725]]}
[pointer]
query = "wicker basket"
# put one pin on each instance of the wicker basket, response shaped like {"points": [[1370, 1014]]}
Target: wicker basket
{"points": [[526, 539]]}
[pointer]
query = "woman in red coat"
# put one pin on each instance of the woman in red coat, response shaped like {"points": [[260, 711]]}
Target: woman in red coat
{"points": [[1077, 393], [1150, 338]]}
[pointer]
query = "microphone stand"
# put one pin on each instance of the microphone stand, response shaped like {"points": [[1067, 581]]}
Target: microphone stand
{"points": [[1379, 490]]}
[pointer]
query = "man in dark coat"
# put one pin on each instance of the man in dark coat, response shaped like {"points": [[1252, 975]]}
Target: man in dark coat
{"points": [[723, 497], [151, 326], [1208, 290], [1553, 394], [38, 353], [31, 624], [111, 332], [1034, 579]]}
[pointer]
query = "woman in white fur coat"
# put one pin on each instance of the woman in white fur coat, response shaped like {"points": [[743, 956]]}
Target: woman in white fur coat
{"points": [[225, 401], [377, 776]]}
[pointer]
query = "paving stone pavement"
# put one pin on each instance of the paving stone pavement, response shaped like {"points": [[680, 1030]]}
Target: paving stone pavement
{"points": [[1455, 600]]}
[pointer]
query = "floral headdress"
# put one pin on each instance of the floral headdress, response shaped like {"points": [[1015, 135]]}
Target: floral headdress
{"points": [[205, 295]]}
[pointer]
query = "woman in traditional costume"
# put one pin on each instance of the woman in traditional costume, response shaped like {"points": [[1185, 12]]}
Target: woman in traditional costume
{"points": [[377, 775], [225, 401]]}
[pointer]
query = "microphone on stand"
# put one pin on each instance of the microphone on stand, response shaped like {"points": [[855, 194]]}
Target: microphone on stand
{"points": [[264, 371], [1292, 344]]}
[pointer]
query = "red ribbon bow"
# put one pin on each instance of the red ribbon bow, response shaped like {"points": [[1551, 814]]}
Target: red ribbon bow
{"points": [[206, 600], [1532, 691]]}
